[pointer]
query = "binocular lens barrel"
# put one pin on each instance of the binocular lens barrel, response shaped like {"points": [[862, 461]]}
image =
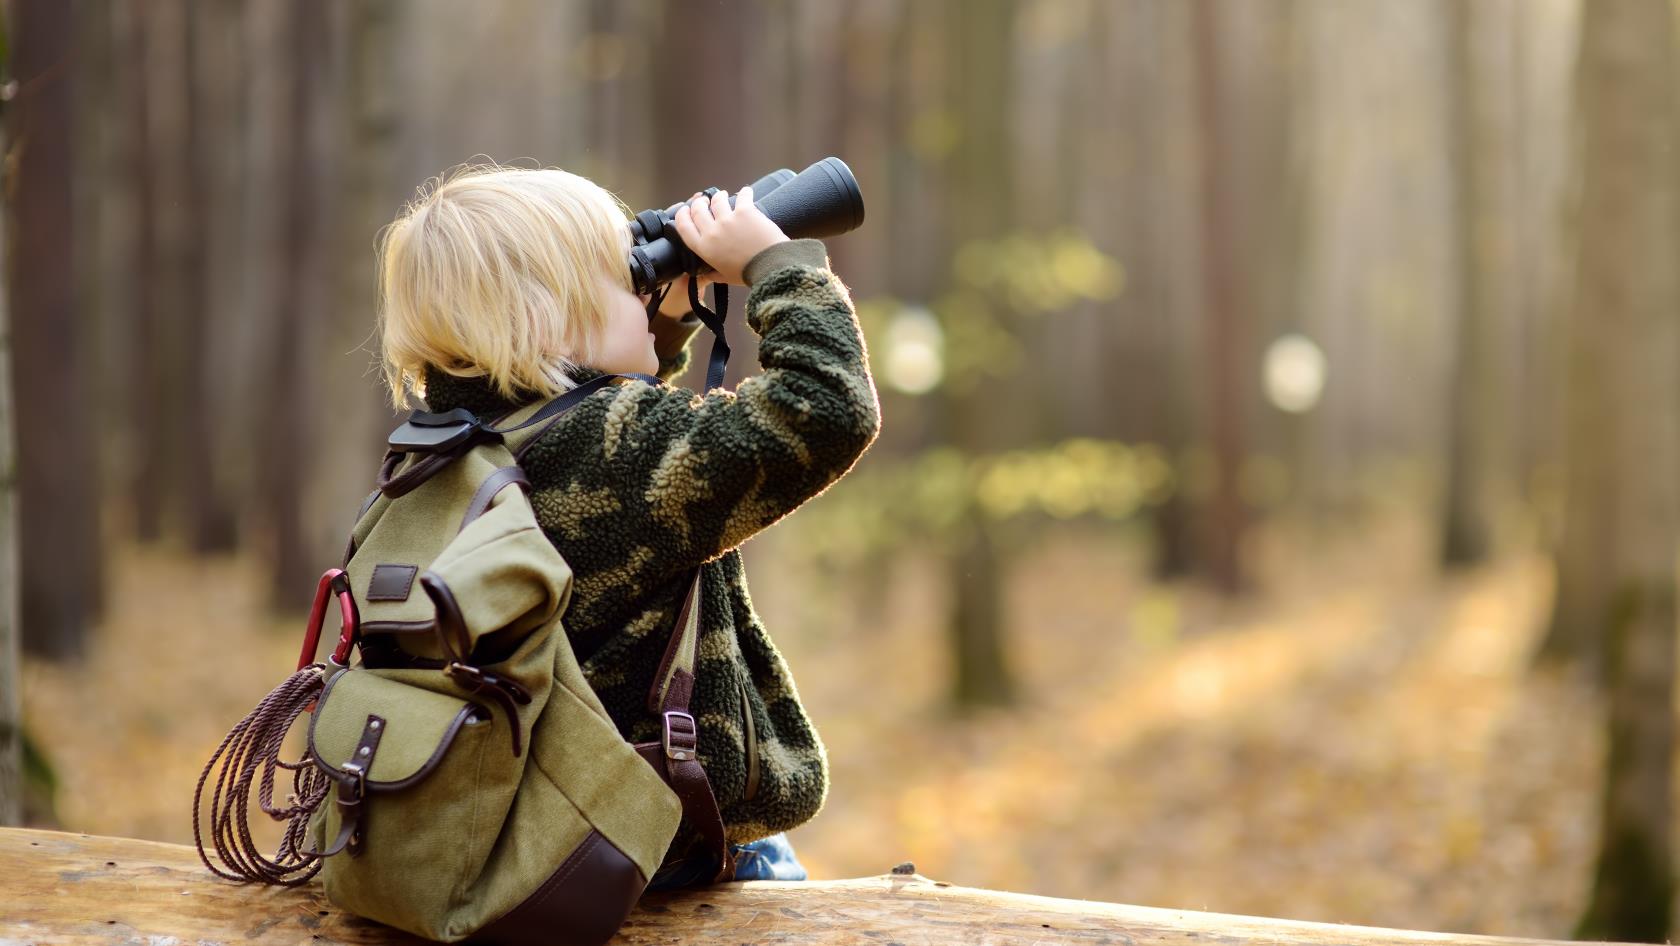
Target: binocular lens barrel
{"points": [[822, 200]]}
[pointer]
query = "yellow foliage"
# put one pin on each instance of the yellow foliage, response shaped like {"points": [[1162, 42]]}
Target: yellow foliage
{"points": [[1040, 273], [889, 502]]}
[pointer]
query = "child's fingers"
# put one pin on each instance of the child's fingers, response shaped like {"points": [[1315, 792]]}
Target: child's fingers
{"points": [[744, 198], [720, 205], [685, 225], [700, 208]]}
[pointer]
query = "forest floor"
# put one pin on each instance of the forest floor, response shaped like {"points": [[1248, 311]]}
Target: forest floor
{"points": [[1360, 741]]}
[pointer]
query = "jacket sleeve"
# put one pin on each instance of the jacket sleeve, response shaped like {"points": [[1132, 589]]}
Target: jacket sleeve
{"points": [[713, 470], [671, 339]]}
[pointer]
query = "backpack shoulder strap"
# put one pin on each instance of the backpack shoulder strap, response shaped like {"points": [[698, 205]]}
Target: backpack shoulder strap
{"points": [[363, 524], [522, 427], [673, 688], [681, 652]]}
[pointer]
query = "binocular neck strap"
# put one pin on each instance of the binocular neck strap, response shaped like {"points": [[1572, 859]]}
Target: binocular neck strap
{"points": [[713, 320]]}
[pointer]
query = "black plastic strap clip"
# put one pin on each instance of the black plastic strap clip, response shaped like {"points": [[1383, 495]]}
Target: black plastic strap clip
{"points": [[426, 432]]}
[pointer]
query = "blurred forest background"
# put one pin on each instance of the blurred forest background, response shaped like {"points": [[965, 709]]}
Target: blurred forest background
{"points": [[1275, 510]]}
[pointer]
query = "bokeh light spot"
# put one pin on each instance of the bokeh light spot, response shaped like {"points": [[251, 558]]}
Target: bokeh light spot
{"points": [[1295, 370]]}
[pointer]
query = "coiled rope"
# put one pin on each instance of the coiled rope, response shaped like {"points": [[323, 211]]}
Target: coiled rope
{"points": [[252, 745]]}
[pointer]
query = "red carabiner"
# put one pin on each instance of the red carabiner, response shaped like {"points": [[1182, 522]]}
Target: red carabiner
{"points": [[333, 581]]}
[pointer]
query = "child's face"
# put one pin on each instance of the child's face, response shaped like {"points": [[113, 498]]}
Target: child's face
{"points": [[626, 345]]}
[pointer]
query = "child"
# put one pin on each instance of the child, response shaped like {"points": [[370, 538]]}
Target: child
{"points": [[504, 285]]}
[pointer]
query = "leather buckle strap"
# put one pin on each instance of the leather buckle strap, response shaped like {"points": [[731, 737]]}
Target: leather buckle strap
{"points": [[488, 490], [681, 652], [453, 635], [508, 693], [682, 741], [395, 485], [351, 779]]}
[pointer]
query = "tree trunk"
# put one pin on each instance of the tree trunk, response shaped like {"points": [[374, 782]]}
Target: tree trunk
{"points": [[344, 454], [699, 146], [1585, 542], [1160, 299], [1464, 532], [210, 519], [1585, 584], [235, 306], [978, 628], [1543, 44], [293, 569], [1627, 295], [981, 179], [11, 697], [1633, 880], [57, 469], [145, 451], [93, 136], [1260, 44], [1227, 518], [165, 421]]}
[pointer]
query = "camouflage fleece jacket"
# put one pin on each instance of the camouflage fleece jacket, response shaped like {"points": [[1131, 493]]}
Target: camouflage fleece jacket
{"points": [[639, 483]]}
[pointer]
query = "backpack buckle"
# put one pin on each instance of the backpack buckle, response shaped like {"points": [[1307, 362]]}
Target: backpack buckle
{"points": [[427, 432], [681, 742], [351, 793]]}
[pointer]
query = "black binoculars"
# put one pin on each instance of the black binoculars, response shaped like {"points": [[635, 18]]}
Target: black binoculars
{"points": [[822, 200]]}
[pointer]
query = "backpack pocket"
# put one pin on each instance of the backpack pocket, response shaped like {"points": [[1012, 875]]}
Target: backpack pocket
{"points": [[418, 793]]}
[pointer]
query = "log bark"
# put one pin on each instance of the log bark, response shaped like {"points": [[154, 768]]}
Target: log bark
{"points": [[77, 889]]}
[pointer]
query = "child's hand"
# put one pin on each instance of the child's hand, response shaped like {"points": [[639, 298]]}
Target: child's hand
{"points": [[726, 237], [675, 304]]}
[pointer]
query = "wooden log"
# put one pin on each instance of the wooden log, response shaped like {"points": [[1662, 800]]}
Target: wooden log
{"points": [[75, 888]]}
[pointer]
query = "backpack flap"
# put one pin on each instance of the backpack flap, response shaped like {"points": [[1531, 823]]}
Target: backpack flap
{"points": [[418, 725], [372, 735], [439, 592], [497, 582]]}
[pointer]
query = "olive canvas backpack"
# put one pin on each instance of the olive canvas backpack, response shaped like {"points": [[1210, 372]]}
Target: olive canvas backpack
{"points": [[461, 780]]}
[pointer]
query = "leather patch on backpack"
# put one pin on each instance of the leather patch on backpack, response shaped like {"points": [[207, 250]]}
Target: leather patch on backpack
{"points": [[391, 582]]}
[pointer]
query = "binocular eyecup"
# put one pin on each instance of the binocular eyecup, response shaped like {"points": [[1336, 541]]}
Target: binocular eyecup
{"points": [[822, 200]]}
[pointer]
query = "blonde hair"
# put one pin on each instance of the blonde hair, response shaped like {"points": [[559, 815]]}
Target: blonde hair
{"points": [[493, 270]]}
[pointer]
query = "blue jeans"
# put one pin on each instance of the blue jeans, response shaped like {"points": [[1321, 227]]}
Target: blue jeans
{"points": [[770, 858]]}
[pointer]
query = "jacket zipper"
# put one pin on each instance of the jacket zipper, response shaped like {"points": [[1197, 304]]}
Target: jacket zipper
{"points": [[750, 738]]}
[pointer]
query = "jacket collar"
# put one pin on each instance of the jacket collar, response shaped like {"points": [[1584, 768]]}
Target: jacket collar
{"points": [[445, 392]]}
